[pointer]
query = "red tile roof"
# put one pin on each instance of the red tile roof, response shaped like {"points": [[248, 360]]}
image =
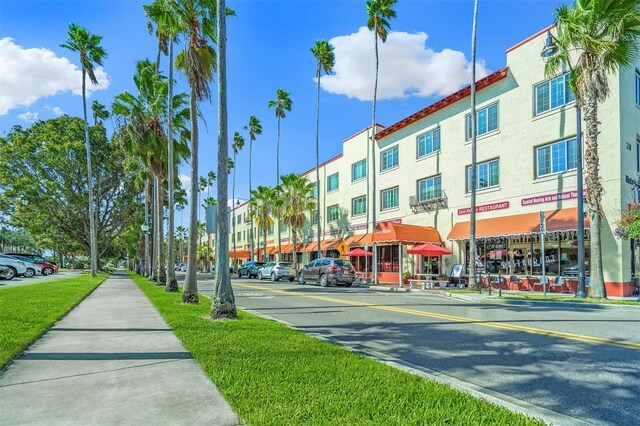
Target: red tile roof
{"points": [[443, 103]]}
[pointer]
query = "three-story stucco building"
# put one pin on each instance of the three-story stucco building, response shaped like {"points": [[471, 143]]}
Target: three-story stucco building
{"points": [[526, 163]]}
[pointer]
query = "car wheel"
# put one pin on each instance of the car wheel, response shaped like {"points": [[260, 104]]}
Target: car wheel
{"points": [[349, 284], [273, 277], [260, 276], [12, 273], [323, 280], [291, 279], [239, 274], [29, 273], [300, 279], [47, 271]]}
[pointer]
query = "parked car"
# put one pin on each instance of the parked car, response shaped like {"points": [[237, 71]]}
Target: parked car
{"points": [[6, 273], [328, 270], [277, 271], [18, 267], [250, 269], [46, 268]]}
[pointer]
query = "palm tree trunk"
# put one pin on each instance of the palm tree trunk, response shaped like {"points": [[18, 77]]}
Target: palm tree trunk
{"points": [[162, 276], [250, 215], [594, 196], [233, 217], [154, 230], [318, 158], [147, 249], [294, 236], [277, 183], [87, 144], [224, 304], [172, 282], [474, 172], [374, 259], [190, 289]]}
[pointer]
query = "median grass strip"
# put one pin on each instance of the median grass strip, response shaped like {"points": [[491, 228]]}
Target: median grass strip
{"points": [[273, 375], [26, 312]]}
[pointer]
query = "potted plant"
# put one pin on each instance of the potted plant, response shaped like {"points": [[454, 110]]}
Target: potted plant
{"points": [[406, 276]]}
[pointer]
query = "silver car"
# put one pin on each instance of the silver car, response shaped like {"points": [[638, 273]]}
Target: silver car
{"points": [[277, 271]]}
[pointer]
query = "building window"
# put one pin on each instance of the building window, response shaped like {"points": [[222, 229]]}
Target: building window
{"points": [[389, 158], [358, 170], [557, 157], [271, 229], [359, 206], [428, 143], [314, 218], [239, 236], [488, 175], [487, 121], [333, 182], [429, 189], [552, 94], [333, 213], [314, 190], [638, 154], [389, 198], [283, 227], [637, 87]]}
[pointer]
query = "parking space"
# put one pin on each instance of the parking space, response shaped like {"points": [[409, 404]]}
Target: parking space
{"points": [[39, 279]]}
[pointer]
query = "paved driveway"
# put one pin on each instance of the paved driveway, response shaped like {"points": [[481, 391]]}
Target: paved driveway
{"points": [[561, 363]]}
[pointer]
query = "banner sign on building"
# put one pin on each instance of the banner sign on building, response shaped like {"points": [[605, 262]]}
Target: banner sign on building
{"points": [[550, 198], [485, 208]]}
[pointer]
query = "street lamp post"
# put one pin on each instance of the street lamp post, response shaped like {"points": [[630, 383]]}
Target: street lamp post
{"points": [[549, 50]]}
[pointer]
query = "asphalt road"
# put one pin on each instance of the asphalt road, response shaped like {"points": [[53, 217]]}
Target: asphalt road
{"points": [[566, 365]]}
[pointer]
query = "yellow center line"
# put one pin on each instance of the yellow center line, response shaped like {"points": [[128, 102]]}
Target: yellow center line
{"points": [[493, 324]]}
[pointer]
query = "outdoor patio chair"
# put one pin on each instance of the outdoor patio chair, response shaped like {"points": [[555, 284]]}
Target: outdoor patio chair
{"points": [[517, 281]]}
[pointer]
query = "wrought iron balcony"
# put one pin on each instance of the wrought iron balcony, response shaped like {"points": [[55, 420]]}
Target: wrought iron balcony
{"points": [[420, 206]]}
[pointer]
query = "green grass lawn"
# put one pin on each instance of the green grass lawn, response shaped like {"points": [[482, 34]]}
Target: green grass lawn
{"points": [[273, 375], [569, 299], [26, 312]]}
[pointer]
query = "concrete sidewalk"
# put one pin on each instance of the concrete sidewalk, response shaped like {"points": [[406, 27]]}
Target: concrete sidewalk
{"points": [[112, 360]]}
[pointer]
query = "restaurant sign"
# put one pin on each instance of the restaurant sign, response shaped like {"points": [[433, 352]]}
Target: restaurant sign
{"points": [[550, 198], [485, 208]]}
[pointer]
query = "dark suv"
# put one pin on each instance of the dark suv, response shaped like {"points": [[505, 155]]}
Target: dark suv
{"points": [[328, 270], [250, 269]]}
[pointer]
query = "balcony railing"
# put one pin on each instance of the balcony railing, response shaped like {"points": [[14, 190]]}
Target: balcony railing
{"points": [[420, 206]]}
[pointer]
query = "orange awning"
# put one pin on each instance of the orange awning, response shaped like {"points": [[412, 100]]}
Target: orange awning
{"points": [[311, 246], [520, 224], [330, 244], [387, 232], [358, 240], [240, 254], [272, 250], [288, 248]]}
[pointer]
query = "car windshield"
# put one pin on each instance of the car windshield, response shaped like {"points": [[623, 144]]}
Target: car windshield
{"points": [[340, 262]]}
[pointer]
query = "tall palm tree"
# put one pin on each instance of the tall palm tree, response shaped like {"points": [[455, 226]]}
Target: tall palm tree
{"points": [[197, 24], [261, 202], [144, 121], [99, 112], [224, 304], [325, 60], [474, 173], [378, 14], [255, 128], [603, 35], [282, 105], [211, 177], [208, 201], [181, 235], [91, 54], [236, 146], [297, 197]]}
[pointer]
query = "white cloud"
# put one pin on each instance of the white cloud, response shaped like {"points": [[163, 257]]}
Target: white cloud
{"points": [[185, 181], [28, 116], [407, 67], [27, 75], [56, 110]]}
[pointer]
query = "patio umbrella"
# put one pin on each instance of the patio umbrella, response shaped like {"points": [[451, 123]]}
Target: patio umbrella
{"points": [[358, 253], [429, 249]]}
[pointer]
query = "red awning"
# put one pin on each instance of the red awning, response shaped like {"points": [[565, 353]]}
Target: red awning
{"points": [[520, 224], [429, 250], [240, 254]]}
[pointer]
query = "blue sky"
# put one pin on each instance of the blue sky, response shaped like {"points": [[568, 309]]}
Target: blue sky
{"points": [[426, 57]]}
